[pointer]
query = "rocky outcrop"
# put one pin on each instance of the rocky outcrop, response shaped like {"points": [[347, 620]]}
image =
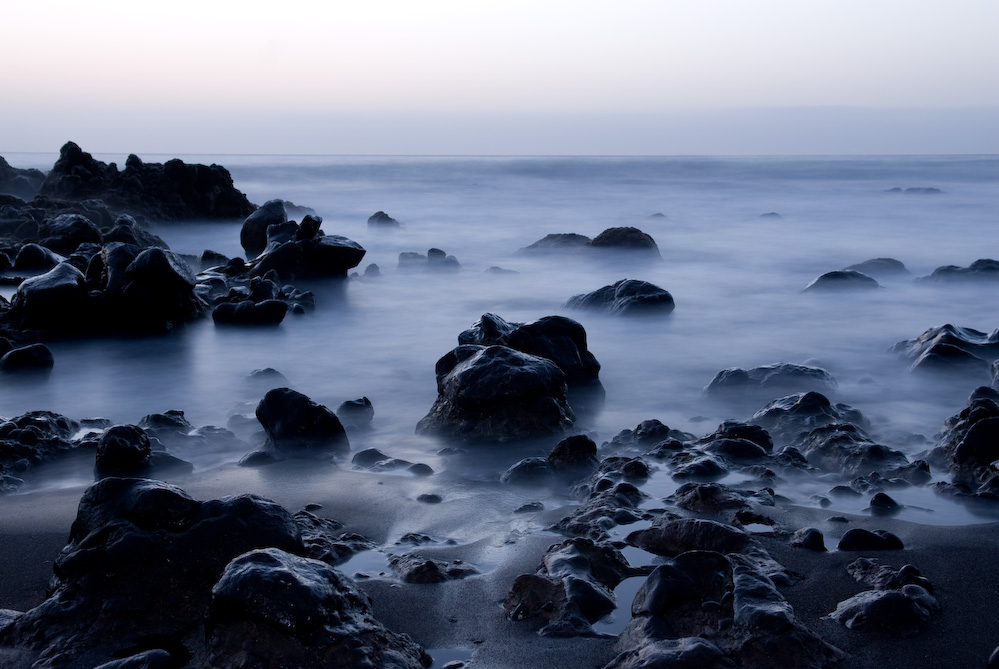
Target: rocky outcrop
{"points": [[841, 280], [948, 349], [21, 183], [170, 191], [304, 251], [880, 268], [253, 234], [380, 219], [985, 269]]}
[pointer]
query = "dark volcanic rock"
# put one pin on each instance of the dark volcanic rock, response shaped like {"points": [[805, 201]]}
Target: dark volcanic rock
{"points": [[841, 280], [880, 267], [574, 455], [57, 300], [265, 312], [140, 565], [951, 350], [808, 538], [781, 377], [32, 358], [557, 242], [628, 297], [985, 269], [845, 448], [22, 183], [274, 608], [253, 234], [793, 416], [296, 426], [64, 233], [495, 394], [625, 238], [380, 219], [171, 191], [356, 413], [859, 539], [669, 536], [35, 258], [305, 252]]}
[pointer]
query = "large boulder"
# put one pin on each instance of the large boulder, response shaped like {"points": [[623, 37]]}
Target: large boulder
{"points": [[880, 267], [57, 300], [139, 568], [170, 191], [253, 234], [950, 350], [841, 279], [303, 251], [497, 394], [626, 239], [157, 293], [794, 416], [65, 232], [298, 427], [273, 608], [985, 269], [781, 377], [627, 297]]}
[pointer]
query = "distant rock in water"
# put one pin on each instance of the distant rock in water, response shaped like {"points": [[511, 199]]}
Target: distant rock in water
{"points": [[556, 242], [172, 191], [32, 358], [627, 296], [985, 269], [952, 350], [624, 238], [781, 377], [771, 214], [435, 260], [879, 267], [916, 190], [841, 280], [304, 251], [380, 219]]}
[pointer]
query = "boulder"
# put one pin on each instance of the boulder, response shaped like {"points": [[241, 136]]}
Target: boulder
{"points": [[844, 448], [880, 268], [497, 394], [380, 219], [157, 293], [21, 183], [305, 252], [273, 608], [64, 233], [253, 234], [859, 539], [356, 413], [793, 416], [626, 239], [841, 280], [57, 300], [626, 297], [265, 312], [31, 358], [296, 426], [781, 377], [950, 350], [556, 243], [35, 258], [985, 269]]}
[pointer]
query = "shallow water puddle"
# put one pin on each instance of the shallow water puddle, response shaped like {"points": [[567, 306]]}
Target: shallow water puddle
{"points": [[445, 656], [615, 622], [367, 564]]}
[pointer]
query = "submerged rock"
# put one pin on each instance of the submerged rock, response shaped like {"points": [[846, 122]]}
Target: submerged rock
{"points": [[380, 219], [880, 267], [557, 242], [794, 416], [947, 349], [781, 377], [627, 297], [627, 239], [985, 269], [841, 280]]}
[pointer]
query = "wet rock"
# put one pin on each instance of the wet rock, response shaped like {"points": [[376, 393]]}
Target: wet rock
{"points": [[150, 659], [22, 183], [808, 538], [985, 269], [422, 570], [32, 358], [626, 297], [556, 243], [841, 280], [34, 258], [57, 300], [140, 564], [530, 507], [701, 469], [380, 219], [845, 448], [324, 541], [966, 445], [171, 191], [305, 252], [297, 426], [498, 394], [627, 239], [157, 293], [253, 234], [793, 416], [708, 498], [575, 455], [781, 377], [885, 577], [607, 504], [859, 539], [435, 260], [880, 267], [672, 536], [64, 233], [529, 471], [685, 653], [367, 458], [883, 505], [264, 313], [429, 498], [356, 413], [298, 612], [901, 612], [947, 349], [740, 451]]}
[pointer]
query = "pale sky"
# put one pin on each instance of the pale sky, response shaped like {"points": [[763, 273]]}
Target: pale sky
{"points": [[502, 77]]}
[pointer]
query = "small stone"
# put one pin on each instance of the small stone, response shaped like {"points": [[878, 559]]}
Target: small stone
{"points": [[430, 498]]}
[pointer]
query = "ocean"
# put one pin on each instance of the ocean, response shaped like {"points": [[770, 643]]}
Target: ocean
{"points": [[735, 273]]}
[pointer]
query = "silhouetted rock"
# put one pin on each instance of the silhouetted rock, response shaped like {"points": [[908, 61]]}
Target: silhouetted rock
{"points": [[31, 358], [265, 312], [556, 243], [305, 252], [841, 280], [253, 234], [880, 267], [781, 377], [356, 413], [985, 269], [625, 238], [298, 427], [380, 219]]}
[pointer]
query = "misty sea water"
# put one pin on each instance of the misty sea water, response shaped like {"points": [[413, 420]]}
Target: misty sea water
{"points": [[735, 273]]}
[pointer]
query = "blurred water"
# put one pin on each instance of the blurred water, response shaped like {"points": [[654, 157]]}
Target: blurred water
{"points": [[736, 278]]}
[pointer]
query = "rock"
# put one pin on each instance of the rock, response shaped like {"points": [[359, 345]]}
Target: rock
{"points": [[264, 313], [740, 451], [171, 191], [731, 429], [157, 293], [880, 268], [356, 413], [795, 415], [150, 659], [708, 498], [421, 570], [435, 260], [34, 258], [306, 252], [839, 280], [808, 538], [57, 300], [140, 564], [883, 505], [781, 377], [625, 238], [123, 450], [951, 350], [32, 358], [380, 219], [253, 234], [298, 612], [859, 539], [497, 394], [575, 455], [669, 536], [529, 471], [627, 297], [296, 426], [686, 653], [65, 232], [556, 243], [985, 269], [900, 612], [845, 448], [22, 183]]}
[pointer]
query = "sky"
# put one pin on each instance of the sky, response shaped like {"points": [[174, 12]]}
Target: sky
{"points": [[621, 77]]}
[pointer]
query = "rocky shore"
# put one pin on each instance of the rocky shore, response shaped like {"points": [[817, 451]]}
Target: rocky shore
{"points": [[657, 547]]}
